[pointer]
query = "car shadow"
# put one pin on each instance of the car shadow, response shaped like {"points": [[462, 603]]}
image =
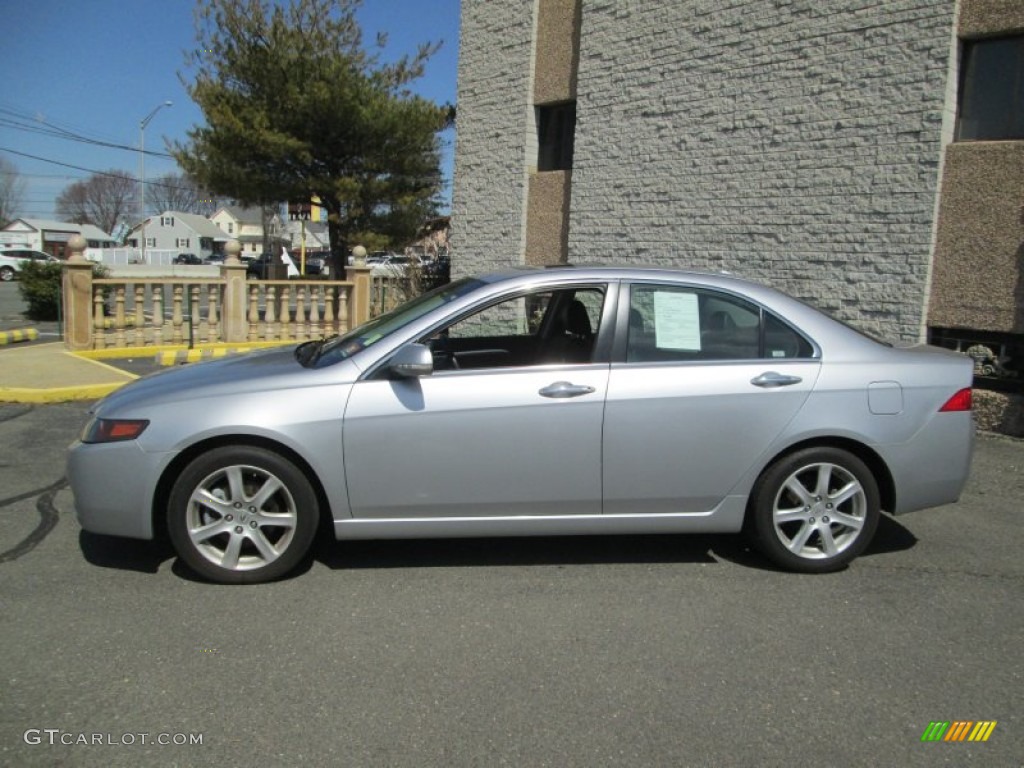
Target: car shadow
{"points": [[533, 550], [891, 536], [124, 554], [706, 549]]}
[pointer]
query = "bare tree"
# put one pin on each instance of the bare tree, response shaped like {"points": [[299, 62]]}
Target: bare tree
{"points": [[176, 192], [12, 192], [102, 199]]}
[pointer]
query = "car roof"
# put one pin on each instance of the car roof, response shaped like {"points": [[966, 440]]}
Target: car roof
{"points": [[572, 272]]}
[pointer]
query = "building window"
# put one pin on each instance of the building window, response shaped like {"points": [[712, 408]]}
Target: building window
{"points": [[231, 228], [992, 90], [151, 242], [556, 131], [182, 242], [166, 221]]}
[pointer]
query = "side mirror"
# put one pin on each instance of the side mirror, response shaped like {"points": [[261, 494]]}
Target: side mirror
{"points": [[412, 361]]}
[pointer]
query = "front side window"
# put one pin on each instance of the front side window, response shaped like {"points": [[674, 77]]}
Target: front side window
{"points": [[677, 324], [546, 327]]}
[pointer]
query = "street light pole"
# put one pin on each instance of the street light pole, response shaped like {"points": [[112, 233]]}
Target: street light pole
{"points": [[142, 171]]}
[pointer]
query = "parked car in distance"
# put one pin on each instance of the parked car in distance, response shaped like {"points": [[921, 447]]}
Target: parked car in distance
{"points": [[314, 263], [395, 265], [269, 266], [537, 402], [11, 260], [187, 258]]}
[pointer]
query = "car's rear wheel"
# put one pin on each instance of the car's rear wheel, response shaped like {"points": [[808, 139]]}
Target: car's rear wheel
{"points": [[6, 274], [242, 515], [815, 510]]}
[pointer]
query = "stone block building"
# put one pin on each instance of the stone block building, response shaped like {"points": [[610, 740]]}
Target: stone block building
{"points": [[865, 156]]}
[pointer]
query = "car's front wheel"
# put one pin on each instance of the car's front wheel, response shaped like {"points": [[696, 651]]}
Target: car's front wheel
{"points": [[242, 515], [6, 274], [815, 510]]}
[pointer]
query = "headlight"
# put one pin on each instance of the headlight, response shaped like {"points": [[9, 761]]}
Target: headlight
{"points": [[113, 430]]}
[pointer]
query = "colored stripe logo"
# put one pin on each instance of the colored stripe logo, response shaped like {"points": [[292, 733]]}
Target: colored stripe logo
{"points": [[959, 730]]}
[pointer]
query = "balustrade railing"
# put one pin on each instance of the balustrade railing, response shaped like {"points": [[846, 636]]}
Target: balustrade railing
{"points": [[296, 309], [176, 311], [121, 312]]}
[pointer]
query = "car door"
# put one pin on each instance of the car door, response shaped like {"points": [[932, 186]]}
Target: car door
{"points": [[703, 382], [507, 425]]}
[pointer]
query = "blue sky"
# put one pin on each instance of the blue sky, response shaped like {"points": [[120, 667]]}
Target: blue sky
{"points": [[98, 67]]}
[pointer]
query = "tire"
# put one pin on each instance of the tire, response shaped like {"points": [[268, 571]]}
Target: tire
{"points": [[815, 510], [6, 274], [242, 515]]}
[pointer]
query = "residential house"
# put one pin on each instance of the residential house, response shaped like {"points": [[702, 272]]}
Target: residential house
{"points": [[246, 225], [313, 232], [52, 236], [181, 232]]}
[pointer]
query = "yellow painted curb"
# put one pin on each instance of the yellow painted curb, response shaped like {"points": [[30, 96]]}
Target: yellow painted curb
{"points": [[21, 334], [58, 394], [194, 355], [117, 353]]}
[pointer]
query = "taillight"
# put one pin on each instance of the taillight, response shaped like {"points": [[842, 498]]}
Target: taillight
{"points": [[961, 401]]}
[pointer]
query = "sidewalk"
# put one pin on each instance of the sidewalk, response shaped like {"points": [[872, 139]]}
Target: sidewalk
{"points": [[48, 373]]}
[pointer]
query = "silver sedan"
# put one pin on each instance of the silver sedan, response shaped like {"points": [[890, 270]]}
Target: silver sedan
{"points": [[537, 402]]}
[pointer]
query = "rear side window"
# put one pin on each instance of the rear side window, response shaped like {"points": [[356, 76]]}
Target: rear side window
{"points": [[668, 323]]}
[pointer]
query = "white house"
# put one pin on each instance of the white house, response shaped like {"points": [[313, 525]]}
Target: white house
{"points": [[52, 236], [314, 232], [181, 232], [246, 226]]}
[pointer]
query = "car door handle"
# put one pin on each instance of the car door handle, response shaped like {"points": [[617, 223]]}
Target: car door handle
{"points": [[561, 389], [772, 379]]}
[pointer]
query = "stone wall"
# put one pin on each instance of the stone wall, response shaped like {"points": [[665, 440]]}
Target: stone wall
{"points": [[798, 145], [978, 279], [494, 129]]}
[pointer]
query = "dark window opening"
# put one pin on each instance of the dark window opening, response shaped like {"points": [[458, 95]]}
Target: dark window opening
{"points": [[556, 131], [997, 356], [991, 90]]}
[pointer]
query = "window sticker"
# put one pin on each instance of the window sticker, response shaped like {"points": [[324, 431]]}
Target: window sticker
{"points": [[676, 321]]}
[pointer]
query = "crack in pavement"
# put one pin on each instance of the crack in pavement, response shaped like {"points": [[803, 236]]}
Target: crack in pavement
{"points": [[48, 518]]}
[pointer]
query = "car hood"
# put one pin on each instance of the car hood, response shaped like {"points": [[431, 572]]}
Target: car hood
{"points": [[274, 370]]}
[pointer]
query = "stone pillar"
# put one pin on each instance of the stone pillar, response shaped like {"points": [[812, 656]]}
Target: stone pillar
{"points": [[359, 301], [76, 296], [233, 309]]}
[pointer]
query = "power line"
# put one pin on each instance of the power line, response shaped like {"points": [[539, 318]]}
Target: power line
{"points": [[29, 124], [68, 165]]}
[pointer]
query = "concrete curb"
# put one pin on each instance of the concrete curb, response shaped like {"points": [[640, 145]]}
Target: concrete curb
{"points": [[58, 394], [21, 334], [181, 356], [208, 350]]}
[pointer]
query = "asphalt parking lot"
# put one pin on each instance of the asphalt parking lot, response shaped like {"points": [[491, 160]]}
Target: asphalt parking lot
{"points": [[631, 651]]}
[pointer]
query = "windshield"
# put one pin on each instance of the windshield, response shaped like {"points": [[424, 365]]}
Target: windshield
{"points": [[369, 333]]}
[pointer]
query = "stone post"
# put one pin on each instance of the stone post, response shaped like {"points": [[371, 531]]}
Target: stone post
{"points": [[233, 310], [359, 301], [76, 296]]}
